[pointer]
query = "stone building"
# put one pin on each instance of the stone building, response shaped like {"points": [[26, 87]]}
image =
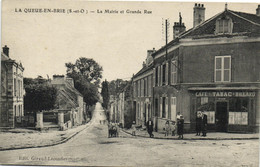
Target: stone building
{"points": [[143, 90], [213, 67], [12, 91], [68, 98]]}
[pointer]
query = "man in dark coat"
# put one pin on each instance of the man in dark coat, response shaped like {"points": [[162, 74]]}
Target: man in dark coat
{"points": [[204, 124], [149, 126], [180, 126], [198, 123]]}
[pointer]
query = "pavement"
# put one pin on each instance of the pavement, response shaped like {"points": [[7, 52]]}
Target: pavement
{"points": [[22, 138], [192, 136]]}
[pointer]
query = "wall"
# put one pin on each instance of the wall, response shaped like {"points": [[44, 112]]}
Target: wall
{"points": [[199, 62]]}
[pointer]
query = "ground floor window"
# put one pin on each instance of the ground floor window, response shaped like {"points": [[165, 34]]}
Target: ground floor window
{"points": [[238, 111], [207, 104]]}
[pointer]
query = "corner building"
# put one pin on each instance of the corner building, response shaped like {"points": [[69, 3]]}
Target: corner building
{"points": [[213, 67]]}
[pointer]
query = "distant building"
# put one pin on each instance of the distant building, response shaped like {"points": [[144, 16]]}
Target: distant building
{"points": [[213, 67], [12, 90], [143, 90], [68, 98]]}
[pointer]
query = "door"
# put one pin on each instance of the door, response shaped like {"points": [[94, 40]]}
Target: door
{"points": [[221, 117]]}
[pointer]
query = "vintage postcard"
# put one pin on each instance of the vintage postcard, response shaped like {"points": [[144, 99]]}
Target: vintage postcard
{"points": [[136, 83]]}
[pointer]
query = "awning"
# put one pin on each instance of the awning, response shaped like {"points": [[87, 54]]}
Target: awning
{"points": [[224, 88]]}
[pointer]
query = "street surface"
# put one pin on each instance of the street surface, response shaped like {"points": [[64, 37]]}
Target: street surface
{"points": [[93, 147]]}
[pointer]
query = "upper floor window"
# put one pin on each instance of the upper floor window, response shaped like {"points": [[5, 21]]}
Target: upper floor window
{"points": [[222, 68], [224, 25], [174, 72]]}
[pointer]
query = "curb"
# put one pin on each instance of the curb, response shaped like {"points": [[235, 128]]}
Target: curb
{"points": [[250, 138], [46, 145]]}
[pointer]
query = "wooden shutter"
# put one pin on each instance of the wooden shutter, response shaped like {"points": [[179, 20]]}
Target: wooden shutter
{"points": [[166, 73], [166, 108], [160, 111], [161, 78], [154, 72]]}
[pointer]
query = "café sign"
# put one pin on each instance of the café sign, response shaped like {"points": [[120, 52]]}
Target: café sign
{"points": [[225, 94]]}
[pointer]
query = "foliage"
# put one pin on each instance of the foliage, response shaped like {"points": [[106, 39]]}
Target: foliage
{"points": [[39, 95], [88, 68], [105, 94], [116, 86], [86, 74]]}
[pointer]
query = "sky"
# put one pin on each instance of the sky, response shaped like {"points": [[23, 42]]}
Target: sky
{"points": [[44, 42]]}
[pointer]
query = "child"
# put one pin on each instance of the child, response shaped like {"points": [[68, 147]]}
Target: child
{"points": [[173, 128], [133, 128], [167, 128]]}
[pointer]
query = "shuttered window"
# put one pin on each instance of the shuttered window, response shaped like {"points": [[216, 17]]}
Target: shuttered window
{"points": [[222, 68]]}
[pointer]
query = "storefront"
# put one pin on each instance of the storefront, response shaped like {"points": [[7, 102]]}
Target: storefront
{"points": [[228, 109]]}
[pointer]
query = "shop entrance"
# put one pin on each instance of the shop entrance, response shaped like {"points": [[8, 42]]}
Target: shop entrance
{"points": [[221, 116]]}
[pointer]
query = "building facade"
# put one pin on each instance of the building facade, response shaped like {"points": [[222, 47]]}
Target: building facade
{"points": [[143, 91], [12, 91], [69, 99], [212, 67]]}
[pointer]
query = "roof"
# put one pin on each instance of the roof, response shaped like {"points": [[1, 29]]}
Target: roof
{"points": [[244, 24], [5, 58], [143, 70]]}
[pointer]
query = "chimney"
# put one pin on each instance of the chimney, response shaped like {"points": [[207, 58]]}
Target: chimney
{"points": [[6, 50], [258, 11], [198, 14], [178, 27], [58, 80], [70, 81]]}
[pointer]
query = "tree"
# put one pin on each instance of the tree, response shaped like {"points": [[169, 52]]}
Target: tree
{"points": [[86, 74], [116, 86], [105, 94], [88, 68], [39, 95]]}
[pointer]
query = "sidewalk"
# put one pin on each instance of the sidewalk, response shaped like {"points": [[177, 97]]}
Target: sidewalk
{"points": [[192, 136], [19, 138]]}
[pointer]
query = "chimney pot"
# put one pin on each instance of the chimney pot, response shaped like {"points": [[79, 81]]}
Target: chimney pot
{"points": [[195, 4], [202, 5], [6, 50], [199, 4], [258, 11]]}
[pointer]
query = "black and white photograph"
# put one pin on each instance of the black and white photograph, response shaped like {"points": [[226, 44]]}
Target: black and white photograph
{"points": [[130, 83]]}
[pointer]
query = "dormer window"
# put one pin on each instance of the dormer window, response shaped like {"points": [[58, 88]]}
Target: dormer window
{"points": [[224, 25]]}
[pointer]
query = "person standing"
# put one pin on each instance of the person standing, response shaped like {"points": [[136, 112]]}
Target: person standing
{"points": [[149, 125], [204, 124], [198, 123], [167, 128], [133, 128], [180, 126]]}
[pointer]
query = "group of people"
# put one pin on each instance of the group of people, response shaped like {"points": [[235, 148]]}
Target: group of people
{"points": [[201, 123], [171, 127]]}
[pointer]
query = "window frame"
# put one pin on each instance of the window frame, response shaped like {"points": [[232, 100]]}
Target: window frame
{"points": [[174, 65], [222, 70]]}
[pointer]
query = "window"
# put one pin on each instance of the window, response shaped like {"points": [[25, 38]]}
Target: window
{"points": [[238, 111], [173, 72], [156, 76], [164, 74], [222, 68], [173, 108], [164, 107], [224, 25], [15, 89], [156, 103]]}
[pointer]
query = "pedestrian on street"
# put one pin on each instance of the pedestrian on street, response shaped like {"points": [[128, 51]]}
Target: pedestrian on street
{"points": [[149, 125], [133, 128], [204, 124], [180, 126], [198, 122], [173, 128], [167, 128]]}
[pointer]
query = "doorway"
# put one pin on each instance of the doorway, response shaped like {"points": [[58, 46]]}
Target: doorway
{"points": [[221, 116]]}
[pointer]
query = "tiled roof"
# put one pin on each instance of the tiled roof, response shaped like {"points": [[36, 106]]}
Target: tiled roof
{"points": [[243, 24], [143, 70]]}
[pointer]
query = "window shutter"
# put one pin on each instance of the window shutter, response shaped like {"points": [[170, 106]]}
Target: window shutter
{"points": [[160, 112], [166, 73], [154, 77], [166, 108], [161, 75]]}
